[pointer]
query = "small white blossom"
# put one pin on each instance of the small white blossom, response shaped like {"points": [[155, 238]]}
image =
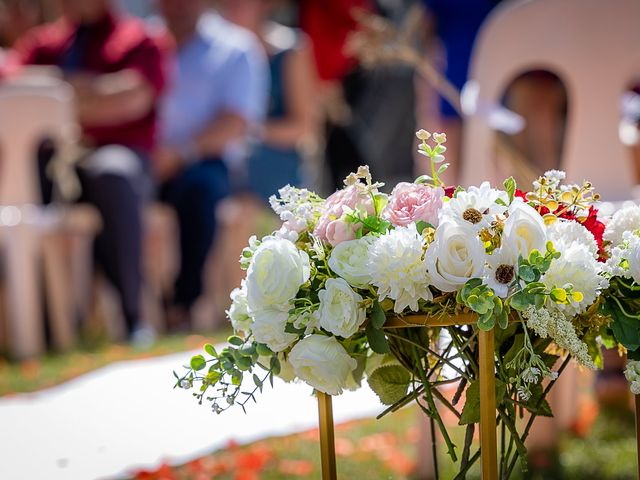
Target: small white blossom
{"points": [[186, 384], [632, 373], [553, 179]]}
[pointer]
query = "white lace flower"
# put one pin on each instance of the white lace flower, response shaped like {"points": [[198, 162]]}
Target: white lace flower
{"points": [[555, 325], [398, 268], [563, 233], [476, 206], [625, 220], [578, 267], [500, 270]]}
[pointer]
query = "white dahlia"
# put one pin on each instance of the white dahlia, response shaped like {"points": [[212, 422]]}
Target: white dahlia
{"points": [[576, 266], [564, 233], [627, 219], [398, 269], [476, 206]]}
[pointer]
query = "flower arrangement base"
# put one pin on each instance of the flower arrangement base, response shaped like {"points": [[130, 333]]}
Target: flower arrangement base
{"points": [[488, 436]]}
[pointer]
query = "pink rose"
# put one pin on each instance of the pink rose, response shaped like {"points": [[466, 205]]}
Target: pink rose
{"points": [[411, 202], [340, 231], [350, 197]]}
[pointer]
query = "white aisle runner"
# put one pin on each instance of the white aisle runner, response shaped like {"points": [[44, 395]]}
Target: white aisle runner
{"points": [[126, 416]]}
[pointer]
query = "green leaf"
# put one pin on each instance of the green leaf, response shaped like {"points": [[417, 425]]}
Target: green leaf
{"points": [[471, 409], [521, 300], [274, 365], [390, 383], [243, 363], [198, 362], [263, 350], [486, 321], [510, 187], [210, 350], [379, 202], [235, 340], [377, 340], [378, 318], [257, 381], [423, 179], [527, 274], [236, 378], [421, 225]]}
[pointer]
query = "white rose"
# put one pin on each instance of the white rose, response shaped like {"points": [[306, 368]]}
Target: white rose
{"points": [[323, 363], [349, 259], [286, 370], [275, 275], [268, 327], [340, 312], [455, 256], [238, 312], [524, 229]]}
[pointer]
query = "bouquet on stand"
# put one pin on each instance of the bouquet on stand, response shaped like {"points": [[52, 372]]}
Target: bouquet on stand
{"points": [[537, 266]]}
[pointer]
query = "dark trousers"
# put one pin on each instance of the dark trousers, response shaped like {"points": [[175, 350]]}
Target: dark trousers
{"points": [[116, 181], [195, 194]]}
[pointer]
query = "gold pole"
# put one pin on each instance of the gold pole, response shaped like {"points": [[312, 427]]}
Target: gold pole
{"points": [[327, 444], [638, 431], [488, 437]]}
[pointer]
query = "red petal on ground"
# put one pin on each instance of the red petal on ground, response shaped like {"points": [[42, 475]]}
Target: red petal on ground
{"points": [[377, 442], [254, 458], [300, 468], [312, 435], [400, 462], [246, 475], [344, 447], [232, 444]]}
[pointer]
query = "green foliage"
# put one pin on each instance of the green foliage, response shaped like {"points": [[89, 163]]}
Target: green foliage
{"points": [[377, 340], [198, 362], [481, 299], [377, 317], [390, 383], [471, 409], [510, 188]]}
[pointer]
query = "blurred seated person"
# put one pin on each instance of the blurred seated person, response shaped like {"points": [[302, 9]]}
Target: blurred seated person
{"points": [[117, 70], [275, 159], [219, 92]]}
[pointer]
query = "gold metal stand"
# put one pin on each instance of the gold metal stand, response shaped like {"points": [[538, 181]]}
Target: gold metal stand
{"points": [[488, 434], [638, 431], [327, 442], [488, 437]]}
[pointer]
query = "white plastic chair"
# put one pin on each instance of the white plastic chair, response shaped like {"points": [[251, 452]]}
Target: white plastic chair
{"points": [[30, 110], [594, 48]]}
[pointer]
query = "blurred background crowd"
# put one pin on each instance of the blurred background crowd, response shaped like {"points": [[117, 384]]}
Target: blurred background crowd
{"points": [[140, 140]]}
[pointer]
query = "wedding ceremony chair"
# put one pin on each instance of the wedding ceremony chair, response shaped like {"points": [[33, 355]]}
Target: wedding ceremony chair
{"points": [[564, 37], [34, 108]]}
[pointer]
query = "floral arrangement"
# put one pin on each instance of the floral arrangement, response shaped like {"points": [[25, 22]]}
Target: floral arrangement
{"points": [[540, 267]]}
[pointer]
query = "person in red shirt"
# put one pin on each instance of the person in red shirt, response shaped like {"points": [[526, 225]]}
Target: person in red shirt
{"points": [[117, 70]]}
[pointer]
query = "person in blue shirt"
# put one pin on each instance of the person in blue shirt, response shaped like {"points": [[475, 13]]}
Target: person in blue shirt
{"points": [[218, 95]]}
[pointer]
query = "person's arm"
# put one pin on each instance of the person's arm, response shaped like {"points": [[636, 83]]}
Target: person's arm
{"points": [[300, 87], [113, 98]]}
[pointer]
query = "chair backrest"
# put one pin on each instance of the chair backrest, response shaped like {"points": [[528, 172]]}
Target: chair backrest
{"points": [[30, 111], [593, 46]]}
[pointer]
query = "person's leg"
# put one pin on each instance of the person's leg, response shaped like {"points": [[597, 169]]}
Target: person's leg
{"points": [[115, 180], [195, 195]]}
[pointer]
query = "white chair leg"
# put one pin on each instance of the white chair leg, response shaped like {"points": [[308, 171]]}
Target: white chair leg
{"points": [[25, 328], [58, 290]]}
